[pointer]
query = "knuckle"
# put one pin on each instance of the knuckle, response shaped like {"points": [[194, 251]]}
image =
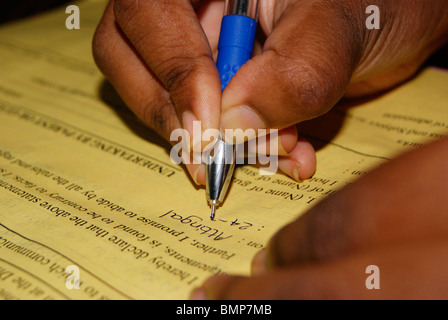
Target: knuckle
{"points": [[306, 86], [160, 117], [313, 92], [176, 71], [181, 71]]}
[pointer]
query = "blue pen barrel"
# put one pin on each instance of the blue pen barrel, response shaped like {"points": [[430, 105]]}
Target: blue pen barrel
{"points": [[235, 46]]}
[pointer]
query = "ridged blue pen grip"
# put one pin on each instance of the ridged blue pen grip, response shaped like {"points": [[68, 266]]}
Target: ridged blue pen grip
{"points": [[235, 46]]}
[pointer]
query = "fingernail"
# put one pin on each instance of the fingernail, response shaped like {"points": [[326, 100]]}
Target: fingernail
{"points": [[259, 263], [281, 149], [197, 294], [291, 168], [243, 118], [296, 173], [199, 175]]}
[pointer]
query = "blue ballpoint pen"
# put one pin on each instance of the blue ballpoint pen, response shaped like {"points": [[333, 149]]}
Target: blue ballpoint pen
{"points": [[235, 47]]}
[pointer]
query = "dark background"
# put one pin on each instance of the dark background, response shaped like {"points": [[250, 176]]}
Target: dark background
{"points": [[17, 9]]}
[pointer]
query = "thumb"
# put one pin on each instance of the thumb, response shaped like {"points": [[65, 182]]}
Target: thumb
{"points": [[304, 69]]}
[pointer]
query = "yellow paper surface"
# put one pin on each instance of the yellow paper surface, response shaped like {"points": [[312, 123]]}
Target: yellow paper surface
{"points": [[84, 184]]}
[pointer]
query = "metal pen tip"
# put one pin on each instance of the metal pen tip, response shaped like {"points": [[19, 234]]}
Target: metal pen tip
{"points": [[212, 214]]}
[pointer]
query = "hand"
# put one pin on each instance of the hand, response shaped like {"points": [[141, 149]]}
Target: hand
{"points": [[159, 56], [395, 218]]}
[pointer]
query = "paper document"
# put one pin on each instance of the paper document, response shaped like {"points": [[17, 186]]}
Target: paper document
{"points": [[91, 205]]}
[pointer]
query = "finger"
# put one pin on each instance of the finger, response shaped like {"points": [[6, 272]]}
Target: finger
{"points": [[135, 83], [399, 202], [131, 78], [390, 60], [300, 164], [295, 155], [278, 142], [414, 271], [171, 41], [210, 16], [287, 150], [303, 71]]}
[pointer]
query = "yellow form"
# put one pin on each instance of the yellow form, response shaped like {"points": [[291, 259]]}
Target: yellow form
{"points": [[91, 205]]}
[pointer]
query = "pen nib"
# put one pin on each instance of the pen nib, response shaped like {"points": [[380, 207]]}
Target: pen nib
{"points": [[212, 214]]}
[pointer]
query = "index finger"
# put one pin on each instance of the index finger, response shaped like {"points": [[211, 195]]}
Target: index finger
{"points": [[168, 36]]}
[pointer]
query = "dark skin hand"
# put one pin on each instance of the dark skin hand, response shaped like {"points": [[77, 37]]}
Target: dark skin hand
{"points": [[160, 57], [395, 217]]}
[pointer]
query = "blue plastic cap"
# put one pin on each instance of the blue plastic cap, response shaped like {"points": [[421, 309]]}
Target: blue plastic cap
{"points": [[235, 46]]}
